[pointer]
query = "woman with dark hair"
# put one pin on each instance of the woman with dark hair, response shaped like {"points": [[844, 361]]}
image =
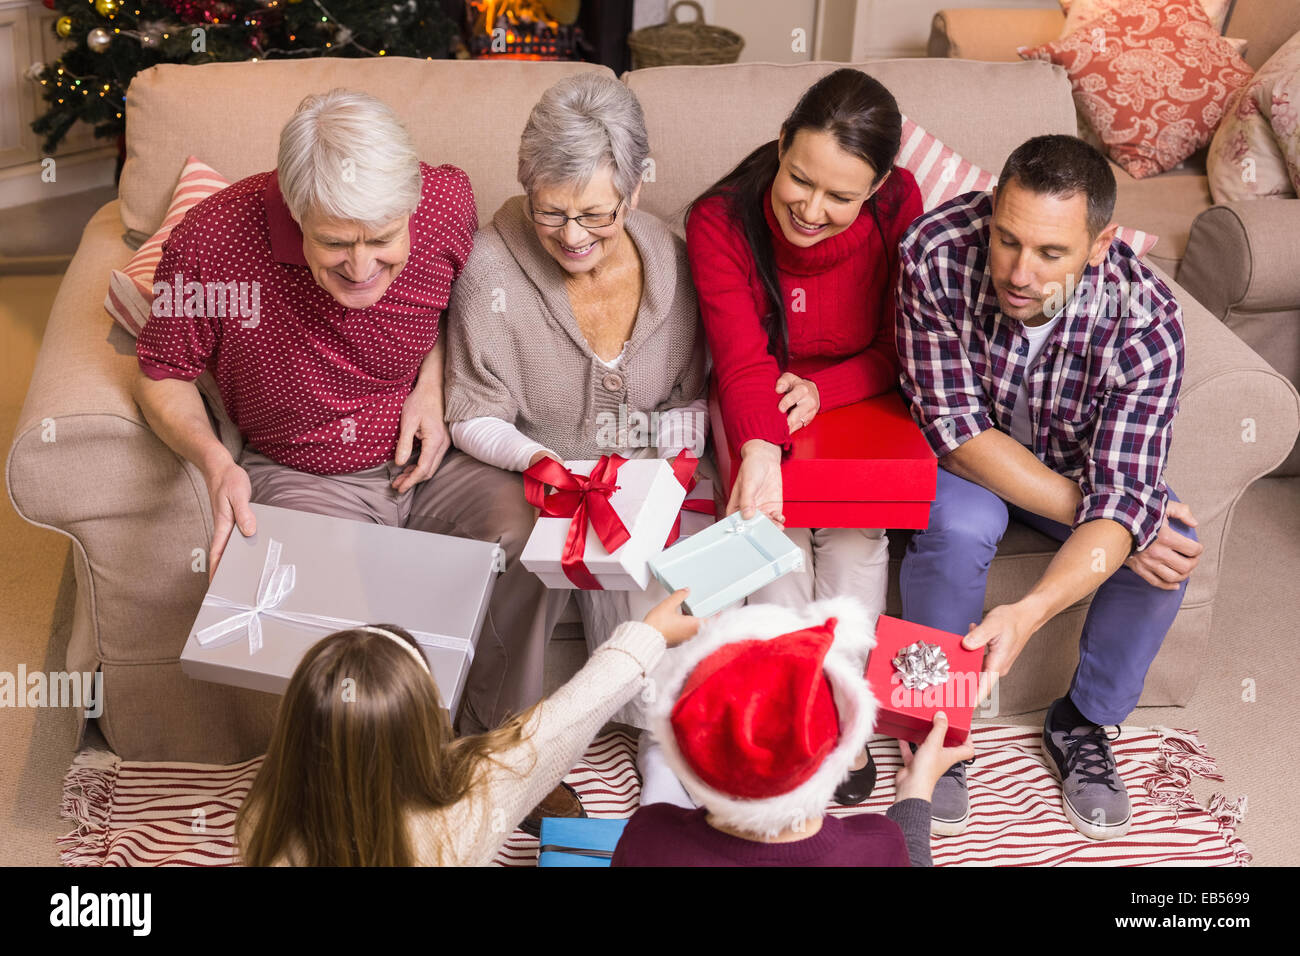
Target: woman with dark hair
{"points": [[794, 254]]}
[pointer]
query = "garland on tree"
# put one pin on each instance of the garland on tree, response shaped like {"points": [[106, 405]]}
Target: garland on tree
{"points": [[112, 40]]}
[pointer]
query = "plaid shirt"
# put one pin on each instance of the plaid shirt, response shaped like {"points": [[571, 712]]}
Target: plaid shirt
{"points": [[1102, 395]]}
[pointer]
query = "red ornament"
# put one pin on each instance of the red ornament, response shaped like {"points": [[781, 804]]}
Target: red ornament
{"points": [[49, 4]]}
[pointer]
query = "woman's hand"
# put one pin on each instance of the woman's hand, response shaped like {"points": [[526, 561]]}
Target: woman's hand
{"points": [[543, 453], [758, 483], [800, 400], [666, 618], [922, 770]]}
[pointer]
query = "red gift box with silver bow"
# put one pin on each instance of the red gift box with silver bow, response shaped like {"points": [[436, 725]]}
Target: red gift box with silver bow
{"points": [[907, 712]]}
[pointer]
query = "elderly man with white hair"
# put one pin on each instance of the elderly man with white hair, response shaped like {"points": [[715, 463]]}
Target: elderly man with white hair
{"points": [[354, 244]]}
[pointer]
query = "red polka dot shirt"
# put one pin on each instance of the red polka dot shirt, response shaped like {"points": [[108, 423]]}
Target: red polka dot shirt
{"points": [[309, 383]]}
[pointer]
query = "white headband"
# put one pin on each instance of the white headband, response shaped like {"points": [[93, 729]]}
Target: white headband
{"points": [[404, 644]]}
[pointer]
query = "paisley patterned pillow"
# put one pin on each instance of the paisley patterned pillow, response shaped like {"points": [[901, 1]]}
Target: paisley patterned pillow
{"points": [[1080, 11], [1152, 78]]}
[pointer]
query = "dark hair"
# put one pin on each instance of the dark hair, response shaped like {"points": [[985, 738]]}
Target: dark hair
{"points": [[863, 117], [1061, 166]]}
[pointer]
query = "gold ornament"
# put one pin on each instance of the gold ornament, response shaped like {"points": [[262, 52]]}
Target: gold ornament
{"points": [[63, 26], [106, 8]]}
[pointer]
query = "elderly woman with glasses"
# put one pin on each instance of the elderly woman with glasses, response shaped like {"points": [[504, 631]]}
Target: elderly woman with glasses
{"points": [[573, 333]]}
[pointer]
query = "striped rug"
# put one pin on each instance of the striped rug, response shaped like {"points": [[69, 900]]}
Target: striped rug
{"points": [[130, 813]]}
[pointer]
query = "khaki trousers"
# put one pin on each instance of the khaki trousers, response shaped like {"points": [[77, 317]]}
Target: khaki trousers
{"points": [[837, 562], [468, 499]]}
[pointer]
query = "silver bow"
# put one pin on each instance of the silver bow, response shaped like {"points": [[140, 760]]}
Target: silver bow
{"points": [[276, 583], [922, 665]]}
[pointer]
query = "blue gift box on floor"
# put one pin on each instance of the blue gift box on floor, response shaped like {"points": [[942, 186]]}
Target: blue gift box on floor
{"points": [[578, 842]]}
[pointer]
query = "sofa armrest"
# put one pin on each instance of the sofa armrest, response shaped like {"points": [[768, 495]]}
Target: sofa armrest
{"points": [[1242, 255], [983, 33], [85, 462], [1237, 420]]}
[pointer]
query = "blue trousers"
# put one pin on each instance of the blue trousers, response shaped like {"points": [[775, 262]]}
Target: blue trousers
{"points": [[946, 567]]}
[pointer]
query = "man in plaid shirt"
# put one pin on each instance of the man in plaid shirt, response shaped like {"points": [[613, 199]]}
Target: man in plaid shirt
{"points": [[1042, 361]]}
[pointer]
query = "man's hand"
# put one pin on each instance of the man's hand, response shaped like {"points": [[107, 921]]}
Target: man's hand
{"points": [[758, 482], [666, 618], [800, 400], [229, 491], [422, 419], [1171, 557], [1006, 630]]}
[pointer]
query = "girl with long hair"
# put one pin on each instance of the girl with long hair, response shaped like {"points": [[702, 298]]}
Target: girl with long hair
{"points": [[363, 768], [794, 254]]}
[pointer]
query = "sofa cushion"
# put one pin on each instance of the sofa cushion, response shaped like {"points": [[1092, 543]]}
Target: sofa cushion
{"points": [[1164, 205], [468, 113], [1265, 25], [130, 289], [961, 101], [1152, 79]]}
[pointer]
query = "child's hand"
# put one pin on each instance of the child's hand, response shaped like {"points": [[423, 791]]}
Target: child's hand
{"points": [[922, 770], [666, 618]]}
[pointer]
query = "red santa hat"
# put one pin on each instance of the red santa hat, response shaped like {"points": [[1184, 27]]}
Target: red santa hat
{"points": [[763, 714]]}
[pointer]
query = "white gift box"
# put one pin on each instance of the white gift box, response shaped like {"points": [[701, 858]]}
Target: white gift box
{"points": [[303, 576], [647, 499]]}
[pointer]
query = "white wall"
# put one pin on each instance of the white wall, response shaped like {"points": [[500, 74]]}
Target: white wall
{"points": [[848, 30]]}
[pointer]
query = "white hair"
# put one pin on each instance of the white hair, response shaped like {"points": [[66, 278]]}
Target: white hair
{"points": [[345, 155], [582, 124]]}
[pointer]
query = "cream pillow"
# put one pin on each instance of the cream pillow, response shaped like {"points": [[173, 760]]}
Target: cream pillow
{"points": [[1255, 153]]}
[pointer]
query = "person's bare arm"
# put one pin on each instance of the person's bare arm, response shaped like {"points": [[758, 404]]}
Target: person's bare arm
{"points": [[174, 409], [1011, 471], [1092, 552]]}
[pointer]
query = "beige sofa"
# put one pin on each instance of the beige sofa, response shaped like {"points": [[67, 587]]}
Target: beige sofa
{"points": [[1237, 259], [135, 511]]}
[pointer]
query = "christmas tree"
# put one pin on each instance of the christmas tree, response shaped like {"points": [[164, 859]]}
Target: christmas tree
{"points": [[112, 40]]}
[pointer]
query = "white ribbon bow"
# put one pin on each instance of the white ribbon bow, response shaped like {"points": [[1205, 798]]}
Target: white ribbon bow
{"points": [[276, 583]]}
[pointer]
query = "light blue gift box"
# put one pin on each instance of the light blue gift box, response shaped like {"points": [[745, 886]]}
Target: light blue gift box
{"points": [[726, 562], [573, 842]]}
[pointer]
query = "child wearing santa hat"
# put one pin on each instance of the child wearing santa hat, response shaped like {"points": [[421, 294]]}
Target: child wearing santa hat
{"points": [[761, 717]]}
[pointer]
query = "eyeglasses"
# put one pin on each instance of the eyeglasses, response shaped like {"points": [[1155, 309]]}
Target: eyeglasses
{"points": [[559, 220]]}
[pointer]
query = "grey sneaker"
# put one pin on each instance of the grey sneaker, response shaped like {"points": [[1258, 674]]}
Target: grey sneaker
{"points": [[1092, 794], [950, 805]]}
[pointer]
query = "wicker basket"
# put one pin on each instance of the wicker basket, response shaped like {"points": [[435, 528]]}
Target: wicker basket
{"points": [[674, 43]]}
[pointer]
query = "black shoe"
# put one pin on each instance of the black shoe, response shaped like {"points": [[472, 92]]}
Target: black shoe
{"points": [[857, 786], [563, 801]]}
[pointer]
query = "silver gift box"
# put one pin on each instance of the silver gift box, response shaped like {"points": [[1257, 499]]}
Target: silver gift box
{"points": [[351, 570]]}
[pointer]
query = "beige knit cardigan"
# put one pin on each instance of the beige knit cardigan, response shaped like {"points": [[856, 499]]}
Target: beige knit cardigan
{"points": [[515, 352]]}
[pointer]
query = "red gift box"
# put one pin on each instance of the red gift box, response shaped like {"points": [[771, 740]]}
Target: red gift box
{"points": [[908, 714], [865, 465]]}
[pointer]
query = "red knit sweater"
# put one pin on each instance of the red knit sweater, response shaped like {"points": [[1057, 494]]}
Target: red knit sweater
{"points": [[839, 304]]}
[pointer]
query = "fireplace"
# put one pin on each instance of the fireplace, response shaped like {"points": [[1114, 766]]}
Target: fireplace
{"points": [[518, 30]]}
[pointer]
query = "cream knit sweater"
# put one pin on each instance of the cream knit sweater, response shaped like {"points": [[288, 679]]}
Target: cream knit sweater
{"points": [[515, 352], [471, 832]]}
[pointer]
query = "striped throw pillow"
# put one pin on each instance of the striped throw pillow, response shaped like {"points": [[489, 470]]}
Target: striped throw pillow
{"points": [[942, 173], [130, 289]]}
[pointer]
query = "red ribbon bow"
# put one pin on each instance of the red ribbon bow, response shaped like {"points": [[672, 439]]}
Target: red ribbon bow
{"points": [[684, 468], [585, 499]]}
